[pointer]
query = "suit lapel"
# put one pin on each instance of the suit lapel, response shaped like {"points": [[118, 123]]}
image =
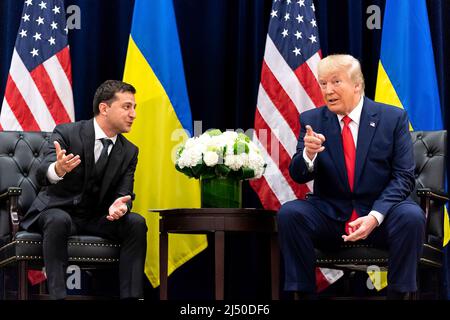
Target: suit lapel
{"points": [[367, 127], [334, 145], [88, 138], [115, 159]]}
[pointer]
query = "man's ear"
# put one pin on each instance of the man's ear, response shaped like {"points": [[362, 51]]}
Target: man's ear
{"points": [[102, 108]]}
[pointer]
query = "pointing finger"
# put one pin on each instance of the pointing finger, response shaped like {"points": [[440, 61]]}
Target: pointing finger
{"points": [[321, 137]]}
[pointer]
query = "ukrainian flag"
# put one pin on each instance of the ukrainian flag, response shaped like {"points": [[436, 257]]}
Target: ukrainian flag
{"points": [[155, 67], [406, 70]]}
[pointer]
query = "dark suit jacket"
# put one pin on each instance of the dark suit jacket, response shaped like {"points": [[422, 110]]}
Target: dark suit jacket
{"points": [[384, 169], [79, 138]]}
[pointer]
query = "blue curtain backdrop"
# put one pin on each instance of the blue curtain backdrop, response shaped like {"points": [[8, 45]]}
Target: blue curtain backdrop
{"points": [[222, 42]]}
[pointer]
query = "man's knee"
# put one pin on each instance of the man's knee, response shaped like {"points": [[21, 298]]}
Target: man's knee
{"points": [[408, 217], [136, 223], [411, 216], [291, 211], [56, 220]]}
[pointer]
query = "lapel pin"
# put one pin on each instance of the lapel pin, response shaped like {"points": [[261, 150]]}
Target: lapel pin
{"points": [[372, 124]]}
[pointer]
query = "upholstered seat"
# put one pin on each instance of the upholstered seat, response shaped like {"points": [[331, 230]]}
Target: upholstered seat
{"points": [[20, 156], [82, 248]]}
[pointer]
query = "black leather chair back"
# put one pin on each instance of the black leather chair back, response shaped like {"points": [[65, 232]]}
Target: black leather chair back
{"points": [[20, 155], [430, 155]]}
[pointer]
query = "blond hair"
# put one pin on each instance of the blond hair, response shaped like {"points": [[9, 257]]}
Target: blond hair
{"points": [[337, 62]]}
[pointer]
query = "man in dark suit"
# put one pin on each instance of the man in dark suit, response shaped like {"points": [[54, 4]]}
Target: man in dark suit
{"points": [[359, 154], [87, 176]]}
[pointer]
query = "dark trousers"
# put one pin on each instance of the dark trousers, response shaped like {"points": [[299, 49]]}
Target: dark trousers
{"points": [[301, 227], [130, 231]]}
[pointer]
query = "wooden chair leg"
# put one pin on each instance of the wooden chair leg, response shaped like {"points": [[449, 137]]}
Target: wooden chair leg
{"points": [[43, 287], [414, 295], [3, 284], [22, 290]]}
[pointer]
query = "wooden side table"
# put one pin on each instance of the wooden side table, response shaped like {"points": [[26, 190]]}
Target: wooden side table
{"points": [[218, 221]]}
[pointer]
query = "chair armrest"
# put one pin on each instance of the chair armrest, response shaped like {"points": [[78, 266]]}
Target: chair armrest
{"points": [[12, 196], [434, 218], [432, 194]]}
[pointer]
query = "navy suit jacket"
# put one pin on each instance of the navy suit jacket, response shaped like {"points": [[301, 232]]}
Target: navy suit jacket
{"points": [[384, 169]]}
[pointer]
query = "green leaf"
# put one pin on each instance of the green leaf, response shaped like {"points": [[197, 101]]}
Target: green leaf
{"points": [[214, 132], [186, 170], [243, 137], [240, 147], [180, 151], [209, 173], [222, 170], [197, 170], [247, 173]]}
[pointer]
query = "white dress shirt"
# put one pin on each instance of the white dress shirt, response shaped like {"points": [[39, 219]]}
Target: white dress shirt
{"points": [[98, 146], [355, 116]]}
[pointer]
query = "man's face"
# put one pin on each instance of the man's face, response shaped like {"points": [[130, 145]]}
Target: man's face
{"points": [[121, 113], [339, 91]]}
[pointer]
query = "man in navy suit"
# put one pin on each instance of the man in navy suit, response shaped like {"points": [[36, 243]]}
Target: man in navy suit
{"points": [[359, 154]]}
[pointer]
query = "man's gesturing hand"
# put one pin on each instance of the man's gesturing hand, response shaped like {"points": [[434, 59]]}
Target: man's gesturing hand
{"points": [[361, 228], [118, 208], [313, 142], [64, 163]]}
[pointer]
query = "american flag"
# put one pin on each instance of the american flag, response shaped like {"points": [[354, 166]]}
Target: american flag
{"points": [[288, 87], [38, 92]]}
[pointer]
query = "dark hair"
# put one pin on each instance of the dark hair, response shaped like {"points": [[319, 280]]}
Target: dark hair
{"points": [[106, 92]]}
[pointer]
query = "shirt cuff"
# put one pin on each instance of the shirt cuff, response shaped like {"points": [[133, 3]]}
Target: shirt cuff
{"points": [[309, 162], [377, 216], [51, 174]]}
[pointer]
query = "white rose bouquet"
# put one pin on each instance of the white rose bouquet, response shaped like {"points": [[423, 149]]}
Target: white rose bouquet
{"points": [[216, 154]]}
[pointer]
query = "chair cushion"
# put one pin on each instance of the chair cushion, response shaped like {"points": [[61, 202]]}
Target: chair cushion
{"points": [[82, 248], [352, 254], [364, 254]]}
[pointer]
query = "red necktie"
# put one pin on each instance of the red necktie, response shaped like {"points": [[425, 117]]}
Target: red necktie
{"points": [[350, 155]]}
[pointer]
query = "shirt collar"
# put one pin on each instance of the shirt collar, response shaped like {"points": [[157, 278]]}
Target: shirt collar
{"points": [[100, 134], [355, 115]]}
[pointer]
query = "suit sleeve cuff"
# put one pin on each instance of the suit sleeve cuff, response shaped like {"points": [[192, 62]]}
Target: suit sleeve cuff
{"points": [[51, 174], [309, 162], [377, 216]]}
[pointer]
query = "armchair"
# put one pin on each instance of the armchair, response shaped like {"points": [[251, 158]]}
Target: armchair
{"points": [[430, 157], [20, 156]]}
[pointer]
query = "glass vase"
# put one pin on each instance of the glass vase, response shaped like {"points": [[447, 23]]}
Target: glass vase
{"points": [[221, 193]]}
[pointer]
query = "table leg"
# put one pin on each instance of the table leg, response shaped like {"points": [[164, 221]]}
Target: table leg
{"points": [[219, 246], [275, 266], [163, 264]]}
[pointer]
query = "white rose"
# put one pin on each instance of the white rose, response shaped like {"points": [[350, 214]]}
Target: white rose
{"points": [[233, 162], [215, 144], [211, 158], [244, 159], [230, 148], [204, 139], [230, 136], [190, 158], [256, 162], [190, 143]]}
